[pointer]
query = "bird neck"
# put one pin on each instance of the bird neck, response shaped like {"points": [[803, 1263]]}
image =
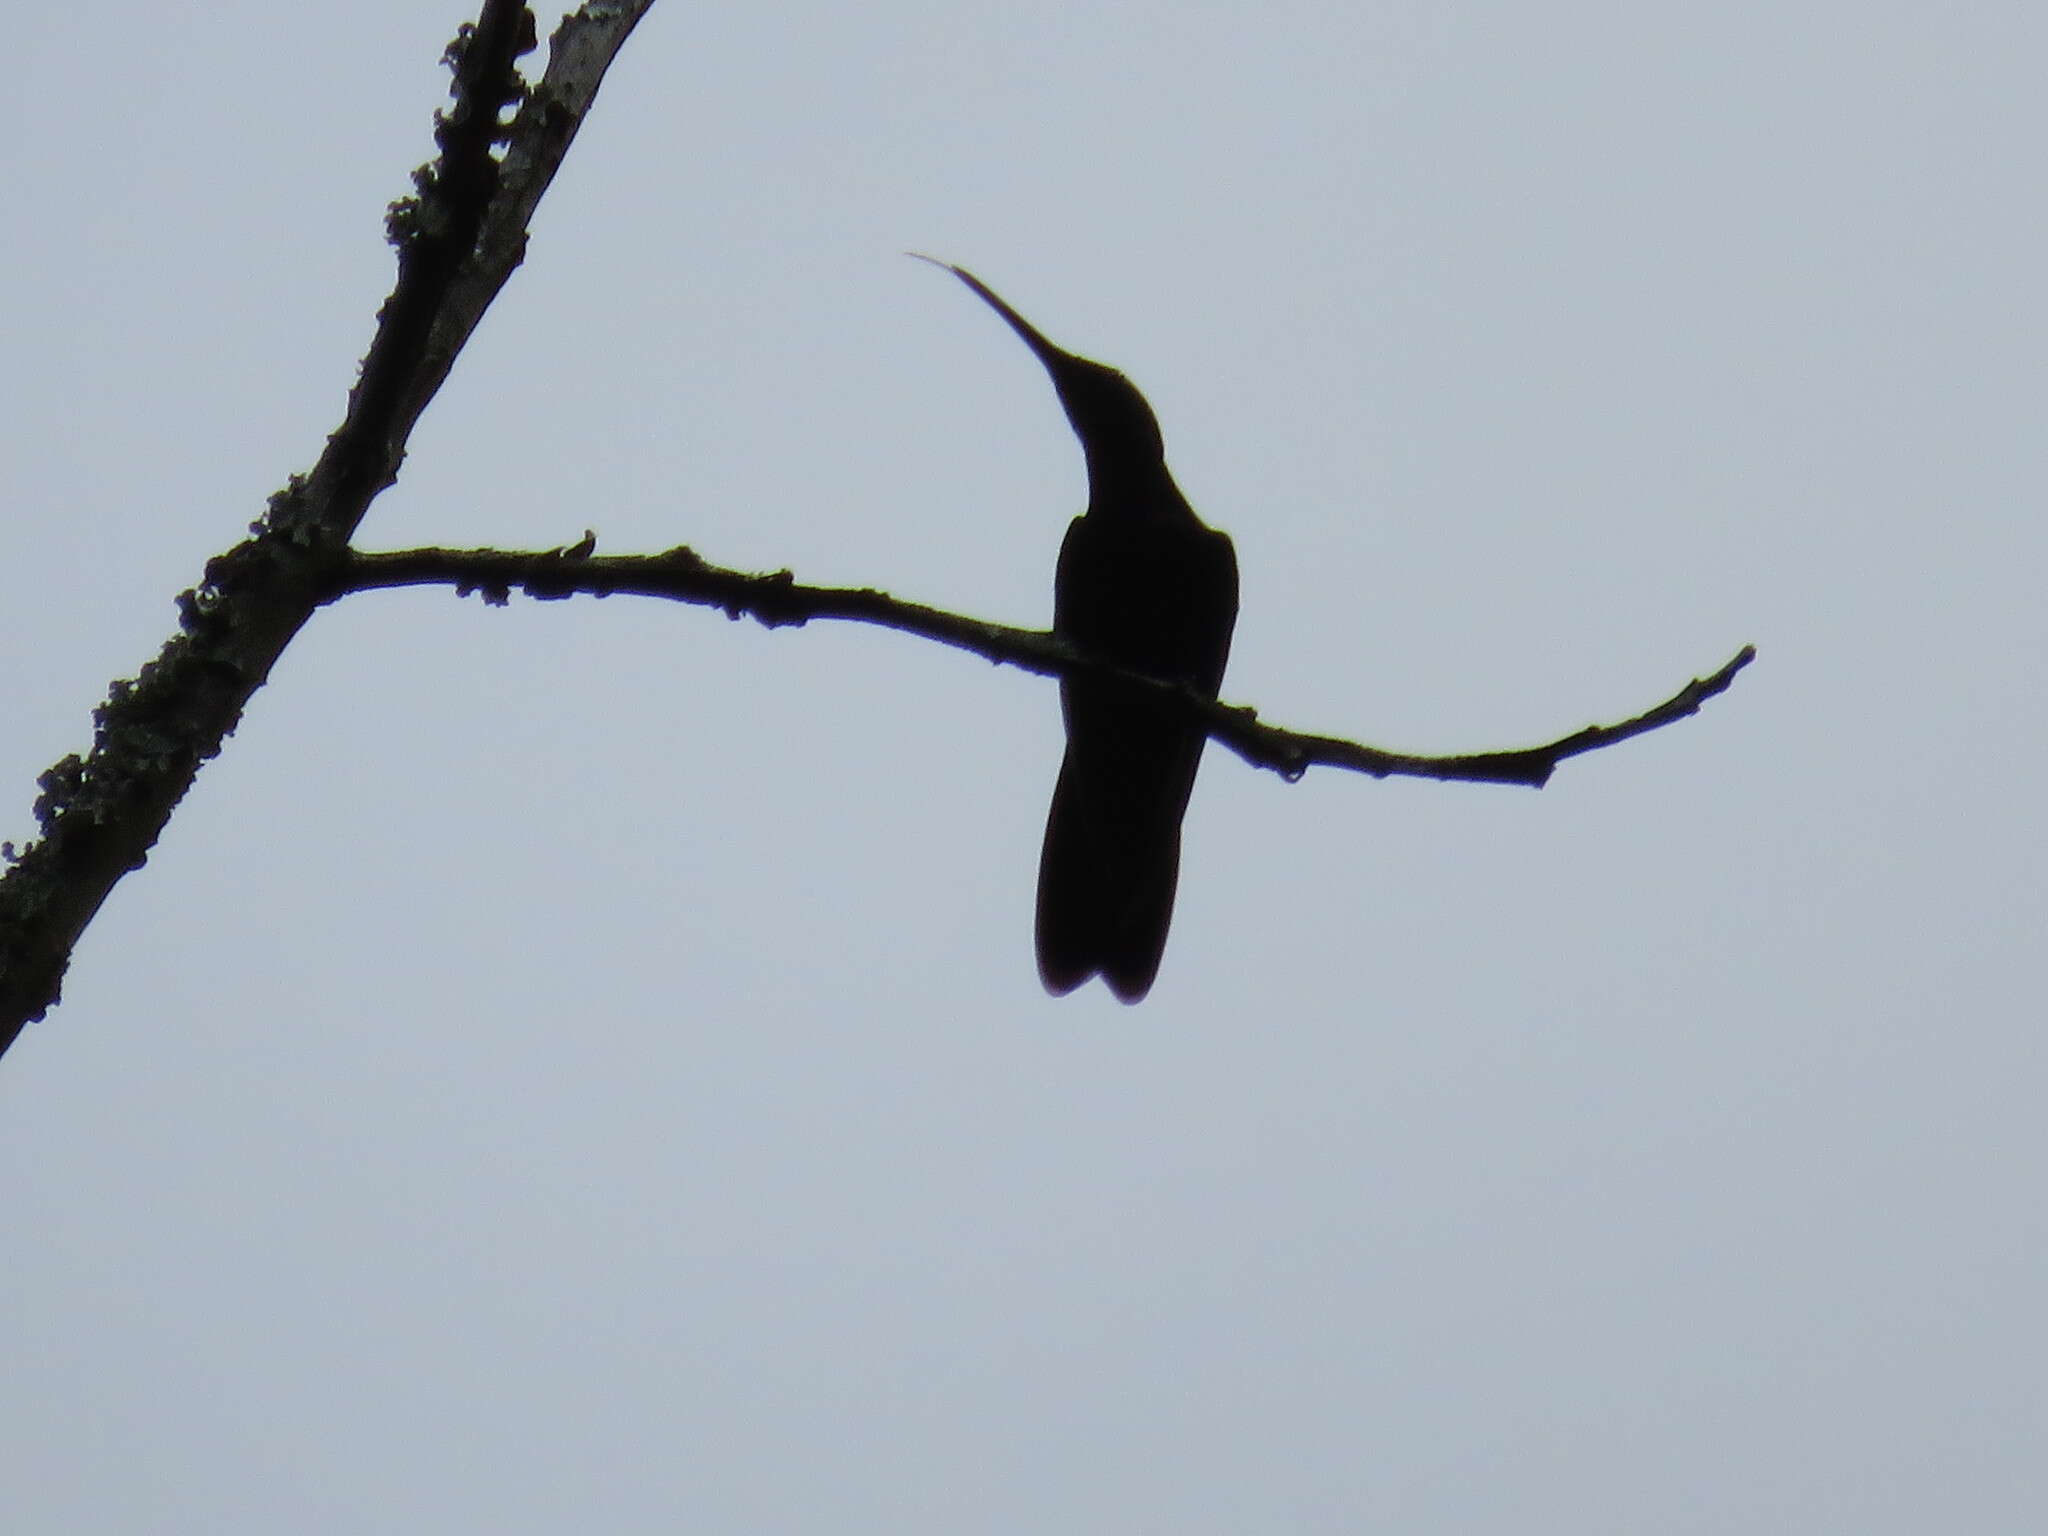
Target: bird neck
{"points": [[1122, 490]]}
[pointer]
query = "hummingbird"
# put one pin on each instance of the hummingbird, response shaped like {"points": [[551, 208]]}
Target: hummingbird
{"points": [[1145, 585]]}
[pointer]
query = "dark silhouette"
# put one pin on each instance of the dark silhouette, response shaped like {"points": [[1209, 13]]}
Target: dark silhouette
{"points": [[1145, 584]]}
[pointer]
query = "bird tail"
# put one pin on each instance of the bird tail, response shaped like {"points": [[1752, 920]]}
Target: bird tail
{"points": [[1106, 879]]}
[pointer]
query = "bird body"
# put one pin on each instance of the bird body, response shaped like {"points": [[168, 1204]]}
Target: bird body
{"points": [[1144, 585]]}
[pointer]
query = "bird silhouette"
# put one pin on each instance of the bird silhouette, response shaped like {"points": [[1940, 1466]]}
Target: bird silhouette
{"points": [[1144, 584]]}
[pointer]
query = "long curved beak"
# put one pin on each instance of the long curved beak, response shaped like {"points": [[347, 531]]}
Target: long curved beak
{"points": [[1051, 356]]}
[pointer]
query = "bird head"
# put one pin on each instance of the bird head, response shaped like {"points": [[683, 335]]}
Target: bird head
{"points": [[1111, 418]]}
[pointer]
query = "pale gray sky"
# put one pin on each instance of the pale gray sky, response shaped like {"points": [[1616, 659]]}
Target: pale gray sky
{"points": [[580, 1067]]}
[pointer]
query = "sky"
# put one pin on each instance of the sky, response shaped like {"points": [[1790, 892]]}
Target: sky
{"points": [[581, 1065]]}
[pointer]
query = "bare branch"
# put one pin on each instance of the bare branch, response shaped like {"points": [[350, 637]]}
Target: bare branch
{"points": [[459, 238], [776, 598]]}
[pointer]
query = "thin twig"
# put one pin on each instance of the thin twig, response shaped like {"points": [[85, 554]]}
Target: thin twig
{"points": [[776, 598]]}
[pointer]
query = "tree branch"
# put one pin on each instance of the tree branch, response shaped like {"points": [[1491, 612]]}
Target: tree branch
{"points": [[459, 239], [776, 599]]}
